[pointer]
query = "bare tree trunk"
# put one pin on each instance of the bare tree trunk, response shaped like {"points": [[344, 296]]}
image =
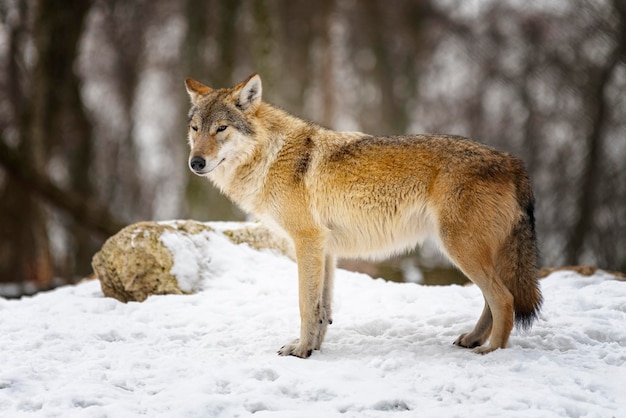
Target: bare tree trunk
{"points": [[24, 247], [395, 66], [203, 201], [394, 115], [227, 40], [127, 39], [59, 123], [328, 65], [599, 113]]}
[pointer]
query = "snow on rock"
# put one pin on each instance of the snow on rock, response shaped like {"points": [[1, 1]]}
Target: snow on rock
{"points": [[73, 352], [160, 258]]}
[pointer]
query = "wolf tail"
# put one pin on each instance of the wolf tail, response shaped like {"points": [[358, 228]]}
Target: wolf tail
{"points": [[517, 259]]}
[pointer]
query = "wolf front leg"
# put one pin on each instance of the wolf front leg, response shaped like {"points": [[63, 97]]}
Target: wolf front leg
{"points": [[315, 276], [324, 316]]}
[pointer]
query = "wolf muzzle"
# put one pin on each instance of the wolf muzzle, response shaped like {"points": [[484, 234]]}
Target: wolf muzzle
{"points": [[197, 164]]}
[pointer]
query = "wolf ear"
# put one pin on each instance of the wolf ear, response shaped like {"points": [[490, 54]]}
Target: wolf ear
{"points": [[196, 89], [248, 93]]}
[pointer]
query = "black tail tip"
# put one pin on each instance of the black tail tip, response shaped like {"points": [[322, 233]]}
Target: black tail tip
{"points": [[524, 320]]}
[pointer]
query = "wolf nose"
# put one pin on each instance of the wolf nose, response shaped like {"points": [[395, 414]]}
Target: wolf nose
{"points": [[197, 164]]}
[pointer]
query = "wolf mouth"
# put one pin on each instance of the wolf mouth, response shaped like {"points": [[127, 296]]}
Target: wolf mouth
{"points": [[211, 170]]}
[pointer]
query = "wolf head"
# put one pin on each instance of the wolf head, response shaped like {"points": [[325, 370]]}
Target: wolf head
{"points": [[220, 126]]}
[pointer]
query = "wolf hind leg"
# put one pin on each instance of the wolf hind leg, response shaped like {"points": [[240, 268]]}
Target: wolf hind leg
{"points": [[477, 264], [480, 333], [500, 303]]}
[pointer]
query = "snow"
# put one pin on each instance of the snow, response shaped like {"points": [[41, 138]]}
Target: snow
{"points": [[191, 266], [72, 352]]}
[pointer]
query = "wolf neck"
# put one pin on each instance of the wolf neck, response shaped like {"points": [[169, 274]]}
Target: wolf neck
{"points": [[244, 181], [275, 122]]}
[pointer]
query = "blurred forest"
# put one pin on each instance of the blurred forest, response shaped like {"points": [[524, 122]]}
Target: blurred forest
{"points": [[93, 107]]}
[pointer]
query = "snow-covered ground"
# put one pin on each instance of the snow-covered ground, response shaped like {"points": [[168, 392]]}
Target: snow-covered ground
{"points": [[74, 353]]}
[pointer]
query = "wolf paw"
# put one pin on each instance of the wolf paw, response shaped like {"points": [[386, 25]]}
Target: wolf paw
{"points": [[484, 350], [466, 341], [296, 349]]}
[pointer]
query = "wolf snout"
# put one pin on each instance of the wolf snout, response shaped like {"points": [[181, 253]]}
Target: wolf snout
{"points": [[197, 164]]}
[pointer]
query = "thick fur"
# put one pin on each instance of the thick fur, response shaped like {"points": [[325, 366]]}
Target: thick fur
{"points": [[348, 194]]}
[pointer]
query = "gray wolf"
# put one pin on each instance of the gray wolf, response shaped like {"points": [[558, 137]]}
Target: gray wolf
{"points": [[349, 194]]}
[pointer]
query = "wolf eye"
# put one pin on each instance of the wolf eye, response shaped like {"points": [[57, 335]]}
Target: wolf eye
{"points": [[195, 128], [221, 128]]}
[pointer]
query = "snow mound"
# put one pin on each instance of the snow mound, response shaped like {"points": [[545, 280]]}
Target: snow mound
{"points": [[73, 352]]}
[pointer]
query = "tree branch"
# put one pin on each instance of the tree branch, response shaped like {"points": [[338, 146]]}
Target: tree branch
{"points": [[85, 211]]}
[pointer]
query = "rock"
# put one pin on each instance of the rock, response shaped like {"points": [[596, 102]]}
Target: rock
{"points": [[259, 238], [155, 258], [582, 270]]}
